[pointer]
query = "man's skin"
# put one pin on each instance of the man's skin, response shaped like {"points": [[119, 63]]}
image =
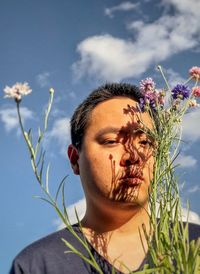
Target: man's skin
{"points": [[115, 165]]}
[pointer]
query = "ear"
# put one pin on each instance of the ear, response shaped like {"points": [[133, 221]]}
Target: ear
{"points": [[73, 157]]}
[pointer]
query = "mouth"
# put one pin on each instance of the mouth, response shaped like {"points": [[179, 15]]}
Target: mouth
{"points": [[132, 180]]}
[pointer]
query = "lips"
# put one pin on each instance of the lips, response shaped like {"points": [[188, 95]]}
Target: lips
{"points": [[132, 179]]}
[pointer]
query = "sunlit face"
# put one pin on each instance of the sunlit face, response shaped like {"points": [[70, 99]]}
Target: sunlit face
{"points": [[116, 158]]}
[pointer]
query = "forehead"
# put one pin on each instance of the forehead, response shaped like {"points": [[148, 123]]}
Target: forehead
{"points": [[118, 112]]}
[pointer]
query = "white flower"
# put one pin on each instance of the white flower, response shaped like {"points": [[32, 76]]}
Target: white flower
{"points": [[17, 91]]}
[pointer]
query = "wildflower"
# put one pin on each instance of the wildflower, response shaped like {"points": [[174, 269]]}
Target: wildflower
{"points": [[193, 103], [180, 92], [151, 99], [148, 102], [17, 91], [196, 91], [147, 85], [143, 104], [195, 73], [176, 104], [161, 100], [161, 97]]}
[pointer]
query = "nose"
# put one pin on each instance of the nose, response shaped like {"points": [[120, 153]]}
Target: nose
{"points": [[132, 157]]}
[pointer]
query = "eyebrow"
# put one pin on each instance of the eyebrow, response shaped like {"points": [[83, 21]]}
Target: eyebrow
{"points": [[108, 130], [118, 130]]}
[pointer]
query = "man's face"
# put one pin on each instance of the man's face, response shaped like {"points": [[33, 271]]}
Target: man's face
{"points": [[116, 158]]}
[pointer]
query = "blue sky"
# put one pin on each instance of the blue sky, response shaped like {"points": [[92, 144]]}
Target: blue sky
{"points": [[73, 46]]}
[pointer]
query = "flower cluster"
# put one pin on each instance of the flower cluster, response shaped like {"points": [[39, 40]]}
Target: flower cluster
{"points": [[152, 98], [195, 73], [147, 85], [196, 91], [180, 92], [17, 91]]}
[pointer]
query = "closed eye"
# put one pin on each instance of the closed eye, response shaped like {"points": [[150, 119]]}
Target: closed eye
{"points": [[146, 143], [110, 142]]}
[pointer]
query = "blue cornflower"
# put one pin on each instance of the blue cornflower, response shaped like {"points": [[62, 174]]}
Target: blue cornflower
{"points": [[180, 92]]}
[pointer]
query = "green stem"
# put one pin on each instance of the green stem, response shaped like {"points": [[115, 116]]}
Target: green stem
{"points": [[51, 91], [29, 145], [166, 82]]}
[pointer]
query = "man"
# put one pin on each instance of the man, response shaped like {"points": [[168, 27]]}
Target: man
{"points": [[113, 154]]}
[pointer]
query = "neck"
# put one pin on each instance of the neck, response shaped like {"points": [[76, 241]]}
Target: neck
{"points": [[107, 231], [122, 219]]}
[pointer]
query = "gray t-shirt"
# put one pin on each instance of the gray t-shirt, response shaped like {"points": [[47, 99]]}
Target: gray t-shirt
{"points": [[47, 256]]}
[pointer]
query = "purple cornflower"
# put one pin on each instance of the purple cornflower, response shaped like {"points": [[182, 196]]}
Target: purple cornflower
{"points": [[180, 92], [147, 85], [151, 99], [147, 88], [142, 104], [147, 102]]}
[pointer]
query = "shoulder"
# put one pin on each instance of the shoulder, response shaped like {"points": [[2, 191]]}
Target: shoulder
{"points": [[48, 244], [194, 231], [48, 255]]}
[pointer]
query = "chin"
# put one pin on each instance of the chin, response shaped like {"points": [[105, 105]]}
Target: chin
{"points": [[140, 203]]}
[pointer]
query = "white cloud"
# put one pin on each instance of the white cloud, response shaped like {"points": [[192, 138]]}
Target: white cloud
{"points": [[60, 132], [43, 79], [106, 58], [113, 59], [190, 215], [10, 119], [185, 161], [194, 189], [81, 209], [193, 217], [184, 6], [125, 6], [191, 132]]}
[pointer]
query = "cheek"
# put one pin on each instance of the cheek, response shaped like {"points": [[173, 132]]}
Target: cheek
{"points": [[103, 170], [96, 167], [102, 166]]}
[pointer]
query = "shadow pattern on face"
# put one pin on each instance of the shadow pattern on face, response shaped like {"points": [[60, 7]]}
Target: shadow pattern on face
{"points": [[138, 148]]}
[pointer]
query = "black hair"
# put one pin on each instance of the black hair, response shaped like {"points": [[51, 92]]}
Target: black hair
{"points": [[81, 116]]}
